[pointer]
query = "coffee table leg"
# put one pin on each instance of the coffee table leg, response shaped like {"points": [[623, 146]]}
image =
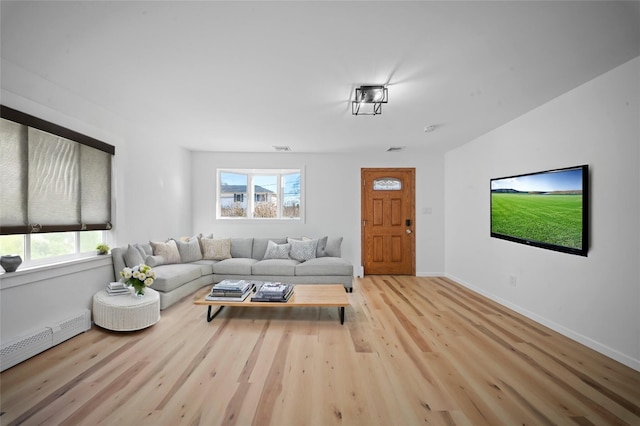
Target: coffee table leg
{"points": [[341, 313], [211, 317]]}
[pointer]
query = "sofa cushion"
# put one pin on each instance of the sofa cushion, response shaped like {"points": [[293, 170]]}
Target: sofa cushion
{"points": [[170, 277], [234, 266], [302, 250], [332, 248], [144, 249], [241, 247], [154, 261], [189, 250], [168, 250], [260, 246], [274, 267], [277, 251], [206, 265], [215, 249], [186, 239], [132, 256], [325, 266], [321, 249]]}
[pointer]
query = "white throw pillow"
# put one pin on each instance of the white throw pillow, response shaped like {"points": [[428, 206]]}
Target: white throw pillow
{"points": [[168, 250]]}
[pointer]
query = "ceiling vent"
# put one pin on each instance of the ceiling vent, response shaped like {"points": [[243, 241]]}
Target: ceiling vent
{"points": [[396, 148], [282, 148]]}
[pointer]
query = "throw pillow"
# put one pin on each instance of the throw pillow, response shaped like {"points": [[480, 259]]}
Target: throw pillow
{"points": [[302, 250], [241, 247], [132, 257], [215, 249], [277, 251], [332, 247], [144, 249], [168, 250], [186, 239], [321, 249], [200, 237], [189, 250], [154, 261]]}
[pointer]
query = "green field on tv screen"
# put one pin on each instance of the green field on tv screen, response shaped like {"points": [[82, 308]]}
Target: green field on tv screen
{"points": [[546, 218]]}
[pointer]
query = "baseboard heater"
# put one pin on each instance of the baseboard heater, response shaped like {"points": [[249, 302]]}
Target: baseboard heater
{"points": [[24, 347]]}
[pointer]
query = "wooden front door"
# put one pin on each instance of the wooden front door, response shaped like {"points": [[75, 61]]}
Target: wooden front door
{"points": [[388, 217]]}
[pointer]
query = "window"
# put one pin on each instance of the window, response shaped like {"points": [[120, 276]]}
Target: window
{"points": [[387, 184], [45, 248], [55, 189], [259, 194]]}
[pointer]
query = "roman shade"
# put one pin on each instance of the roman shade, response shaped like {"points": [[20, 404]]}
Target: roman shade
{"points": [[52, 179]]}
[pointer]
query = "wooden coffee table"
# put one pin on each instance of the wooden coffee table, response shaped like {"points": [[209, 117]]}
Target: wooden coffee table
{"points": [[322, 295]]}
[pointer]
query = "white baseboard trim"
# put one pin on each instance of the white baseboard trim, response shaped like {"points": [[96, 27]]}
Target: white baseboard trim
{"points": [[584, 340], [429, 274], [27, 346]]}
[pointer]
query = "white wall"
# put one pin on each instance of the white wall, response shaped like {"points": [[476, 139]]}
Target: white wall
{"points": [[596, 299], [152, 201], [155, 201], [31, 300], [332, 185]]}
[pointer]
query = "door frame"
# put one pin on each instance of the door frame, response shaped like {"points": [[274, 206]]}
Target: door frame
{"points": [[412, 186]]}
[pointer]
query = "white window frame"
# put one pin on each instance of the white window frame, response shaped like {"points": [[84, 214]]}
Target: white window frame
{"points": [[250, 197], [77, 254]]}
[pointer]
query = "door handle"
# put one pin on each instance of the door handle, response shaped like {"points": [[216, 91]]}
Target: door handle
{"points": [[408, 231]]}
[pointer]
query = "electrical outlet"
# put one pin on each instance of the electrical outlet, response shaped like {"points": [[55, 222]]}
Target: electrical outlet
{"points": [[513, 281]]}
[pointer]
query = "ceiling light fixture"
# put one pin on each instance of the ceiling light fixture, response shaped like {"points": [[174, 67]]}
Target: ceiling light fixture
{"points": [[372, 98], [281, 148]]}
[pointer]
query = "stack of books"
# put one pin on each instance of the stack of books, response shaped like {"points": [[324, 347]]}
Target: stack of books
{"points": [[117, 288], [273, 292], [231, 290]]}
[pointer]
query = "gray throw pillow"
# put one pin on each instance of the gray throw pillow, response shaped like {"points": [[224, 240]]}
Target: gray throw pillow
{"points": [[302, 250], [277, 251], [322, 247], [241, 247], [189, 250], [332, 247], [144, 249], [154, 261], [132, 257]]}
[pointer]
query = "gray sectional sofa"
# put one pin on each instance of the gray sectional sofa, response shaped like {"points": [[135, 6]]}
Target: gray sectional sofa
{"points": [[184, 266]]}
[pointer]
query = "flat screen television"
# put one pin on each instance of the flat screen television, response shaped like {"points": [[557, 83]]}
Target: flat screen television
{"points": [[548, 209]]}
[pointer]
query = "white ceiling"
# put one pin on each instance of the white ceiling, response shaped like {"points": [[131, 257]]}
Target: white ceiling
{"points": [[245, 76]]}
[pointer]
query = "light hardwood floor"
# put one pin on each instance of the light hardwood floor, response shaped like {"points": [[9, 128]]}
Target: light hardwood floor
{"points": [[412, 351]]}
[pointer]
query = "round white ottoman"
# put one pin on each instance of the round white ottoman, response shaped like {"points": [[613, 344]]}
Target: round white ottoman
{"points": [[126, 312]]}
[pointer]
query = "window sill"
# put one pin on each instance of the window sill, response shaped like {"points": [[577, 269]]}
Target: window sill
{"points": [[31, 274], [261, 219]]}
